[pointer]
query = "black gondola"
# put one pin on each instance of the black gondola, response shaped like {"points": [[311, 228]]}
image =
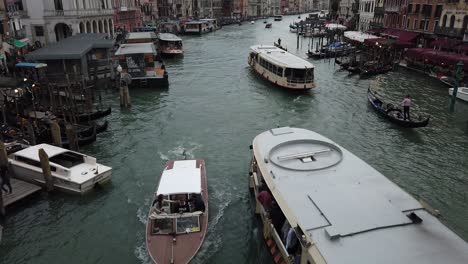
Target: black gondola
{"points": [[268, 25], [102, 127], [84, 117], [82, 141], [393, 114]]}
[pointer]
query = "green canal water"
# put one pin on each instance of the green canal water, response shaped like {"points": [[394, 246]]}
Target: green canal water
{"points": [[213, 109]]}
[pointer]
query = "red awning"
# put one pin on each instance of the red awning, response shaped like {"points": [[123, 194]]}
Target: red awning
{"points": [[435, 57], [401, 35], [444, 43]]}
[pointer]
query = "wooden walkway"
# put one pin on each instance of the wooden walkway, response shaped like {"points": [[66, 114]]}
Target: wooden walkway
{"points": [[21, 190]]}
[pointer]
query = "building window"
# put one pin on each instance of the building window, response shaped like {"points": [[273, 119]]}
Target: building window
{"points": [[408, 24], [416, 11], [410, 8], [58, 4], [436, 23], [421, 24], [452, 21], [438, 11], [39, 31], [415, 24], [426, 26], [444, 21]]}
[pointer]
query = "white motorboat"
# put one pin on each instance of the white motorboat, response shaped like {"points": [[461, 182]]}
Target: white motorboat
{"points": [[71, 171], [252, 22], [336, 208], [462, 93], [169, 44]]}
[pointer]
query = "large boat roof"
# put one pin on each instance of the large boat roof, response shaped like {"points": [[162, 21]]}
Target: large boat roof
{"points": [[169, 37], [135, 48], [141, 35], [182, 177], [281, 57], [348, 211], [32, 152]]}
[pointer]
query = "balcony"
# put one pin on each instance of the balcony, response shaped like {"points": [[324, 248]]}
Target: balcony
{"points": [[449, 32], [78, 13], [394, 8]]}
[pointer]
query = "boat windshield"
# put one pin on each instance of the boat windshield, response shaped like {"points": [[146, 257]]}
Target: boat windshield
{"points": [[299, 75], [162, 226], [68, 159], [188, 224]]}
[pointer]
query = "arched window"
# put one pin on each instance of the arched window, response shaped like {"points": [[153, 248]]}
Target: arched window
{"points": [[452, 21], [444, 21], [465, 23]]}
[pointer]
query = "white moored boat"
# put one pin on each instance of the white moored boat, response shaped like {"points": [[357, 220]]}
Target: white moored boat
{"points": [[169, 44], [281, 67], [335, 208], [462, 93], [71, 171]]}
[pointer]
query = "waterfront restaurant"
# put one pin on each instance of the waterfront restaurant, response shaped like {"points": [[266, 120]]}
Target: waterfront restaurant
{"points": [[82, 57]]}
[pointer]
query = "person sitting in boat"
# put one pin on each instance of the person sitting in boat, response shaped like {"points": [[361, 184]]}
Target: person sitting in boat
{"points": [[198, 202], [159, 203], [265, 198]]}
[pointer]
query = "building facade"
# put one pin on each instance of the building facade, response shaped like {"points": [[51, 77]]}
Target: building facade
{"points": [[379, 12], [48, 21], [423, 15], [366, 14], [395, 13], [454, 20], [345, 10], [127, 15]]}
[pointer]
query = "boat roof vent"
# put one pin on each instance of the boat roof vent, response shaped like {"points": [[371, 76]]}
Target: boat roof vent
{"points": [[305, 155]]}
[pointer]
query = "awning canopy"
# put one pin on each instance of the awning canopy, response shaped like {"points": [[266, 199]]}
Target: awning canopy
{"points": [[184, 177], [435, 57], [19, 43], [444, 43], [358, 36], [379, 41], [335, 27], [31, 65]]}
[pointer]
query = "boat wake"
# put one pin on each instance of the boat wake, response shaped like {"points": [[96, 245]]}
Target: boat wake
{"points": [[182, 150], [140, 252], [142, 213]]}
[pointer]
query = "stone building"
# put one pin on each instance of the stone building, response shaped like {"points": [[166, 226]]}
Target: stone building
{"points": [[366, 14], [49, 21], [395, 13], [454, 20], [127, 14], [423, 15]]}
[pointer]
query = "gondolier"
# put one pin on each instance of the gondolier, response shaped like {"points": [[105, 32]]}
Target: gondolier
{"points": [[406, 103]]}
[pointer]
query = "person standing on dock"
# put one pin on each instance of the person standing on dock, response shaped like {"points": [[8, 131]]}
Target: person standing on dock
{"points": [[406, 103], [5, 179]]}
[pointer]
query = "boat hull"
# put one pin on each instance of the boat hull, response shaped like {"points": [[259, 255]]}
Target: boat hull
{"points": [[180, 248], [149, 83], [462, 93], [35, 176]]}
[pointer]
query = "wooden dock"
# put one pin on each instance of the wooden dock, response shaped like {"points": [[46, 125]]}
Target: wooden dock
{"points": [[21, 190]]}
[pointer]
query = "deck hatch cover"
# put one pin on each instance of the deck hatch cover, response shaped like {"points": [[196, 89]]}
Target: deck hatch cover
{"points": [[281, 131], [305, 155], [355, 210]]}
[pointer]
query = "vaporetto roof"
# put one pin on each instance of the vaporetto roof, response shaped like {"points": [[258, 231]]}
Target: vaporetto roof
{"points": [[281, 58], [135, 48], [140, 35], [349, 212]]}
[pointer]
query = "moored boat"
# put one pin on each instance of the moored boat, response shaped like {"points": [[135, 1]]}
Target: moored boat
{"points": [[281, 68], [141, 62], [169, 44], [278, 17], [178, 217], [319, 203], [268, 25], [462, 93], [71, 171], [141, 37], [394, 114]]}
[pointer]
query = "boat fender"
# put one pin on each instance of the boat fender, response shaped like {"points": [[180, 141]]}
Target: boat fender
{"points": [[250, 147]]}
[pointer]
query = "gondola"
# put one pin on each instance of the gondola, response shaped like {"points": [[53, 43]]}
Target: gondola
{"points": [[102, 127], [371, 70], [268, 25], [84, 117], [82, 141], [395, 115]]}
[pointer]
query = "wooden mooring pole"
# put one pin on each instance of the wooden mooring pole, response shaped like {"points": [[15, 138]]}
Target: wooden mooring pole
{"points": [[3, 162], [44, 158], [71, 135], [124, 96], [56, 134]]}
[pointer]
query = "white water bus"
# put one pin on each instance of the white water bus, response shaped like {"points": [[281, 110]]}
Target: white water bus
{"points": [[335, 208], [281, 68], [71, 171], [169, 44], [278, 17]]}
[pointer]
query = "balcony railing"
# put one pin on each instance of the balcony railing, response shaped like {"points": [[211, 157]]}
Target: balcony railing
{"points": [[78, 13], [449, 32], [392, 9]]}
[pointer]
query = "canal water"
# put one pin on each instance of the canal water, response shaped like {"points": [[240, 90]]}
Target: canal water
{"points": [[214, 107]]}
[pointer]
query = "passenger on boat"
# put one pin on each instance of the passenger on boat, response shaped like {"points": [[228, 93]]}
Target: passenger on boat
{"points": [[264, 197], [199, 203], [291, 241], [158, 204], [279, 42], [277, 217]]}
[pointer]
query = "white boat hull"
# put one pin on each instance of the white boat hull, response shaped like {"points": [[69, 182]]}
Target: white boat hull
{"points": [[462, 93], [36, 177]]}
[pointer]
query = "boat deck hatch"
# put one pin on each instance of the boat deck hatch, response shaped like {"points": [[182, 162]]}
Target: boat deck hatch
{"points": [[355, 210], [305, 155], [281, 131]]}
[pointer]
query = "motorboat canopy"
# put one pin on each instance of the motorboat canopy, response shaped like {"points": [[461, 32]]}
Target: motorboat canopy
{"points": [[183, 177], [169, 37]]}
